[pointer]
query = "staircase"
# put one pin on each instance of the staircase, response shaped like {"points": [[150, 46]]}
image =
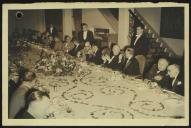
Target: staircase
{"points": [[158, 47]]}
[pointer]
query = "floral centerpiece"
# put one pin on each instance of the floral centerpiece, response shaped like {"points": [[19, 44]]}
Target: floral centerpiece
{"points": [[56, 64]]}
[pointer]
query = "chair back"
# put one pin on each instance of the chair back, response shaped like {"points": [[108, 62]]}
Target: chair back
{"points": [[141, 60]]}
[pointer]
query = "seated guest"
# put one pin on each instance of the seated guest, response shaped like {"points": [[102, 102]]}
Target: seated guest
{"points": [[44, 38], [130, 65], [77, 47], [85, 52], [58, 44], [68, 44], [21, 68], [67, 39], [105, 56], [158, 72], [51, 41], [176, 83], [115, 61], [95, 56], [37, 103], [15, 80], [15, 77], [17, 101]]}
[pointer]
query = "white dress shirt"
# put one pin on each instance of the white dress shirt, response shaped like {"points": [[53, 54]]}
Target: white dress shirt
{"points": [[111, 59], [174, 80], [85, 35], [51, 29], [137, 37], [128, 61]]}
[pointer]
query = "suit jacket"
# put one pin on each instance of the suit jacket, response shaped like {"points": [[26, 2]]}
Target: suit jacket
{"points": [[142, 45], [54, 32], [154, 72], [51, 44], [68, 46], [114, 63], [89, 38], [96, 58], [131, 68], [25, 115], [75, 50], [17, 101], [178, 86]]}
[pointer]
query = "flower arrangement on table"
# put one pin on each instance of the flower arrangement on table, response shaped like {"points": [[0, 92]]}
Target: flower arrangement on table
{"points": [[55, 64]]}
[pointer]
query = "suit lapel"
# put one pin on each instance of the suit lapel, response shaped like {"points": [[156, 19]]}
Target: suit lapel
{"points": [[127, 63]]}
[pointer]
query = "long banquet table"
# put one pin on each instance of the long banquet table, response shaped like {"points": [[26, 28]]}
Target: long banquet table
{"points": [[96, 92]]}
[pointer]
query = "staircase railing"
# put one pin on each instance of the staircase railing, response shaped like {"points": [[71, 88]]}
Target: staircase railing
{"points": [[153, 34]]}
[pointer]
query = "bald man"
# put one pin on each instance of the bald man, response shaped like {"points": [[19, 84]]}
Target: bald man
{"points": [[115, 61], [158, 72], [177, 85]]}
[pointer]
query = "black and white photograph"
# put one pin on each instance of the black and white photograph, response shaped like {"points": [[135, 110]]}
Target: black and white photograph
{"points": [[106, 62]]}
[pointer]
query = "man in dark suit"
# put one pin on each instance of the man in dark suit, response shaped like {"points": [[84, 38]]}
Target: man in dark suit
{"points": [[130, 65], [52, 31], [177, 84], [76, 48], [158, 72], [51, 42], [95, 57], [140, 42], [85, 35], [115, 61]]}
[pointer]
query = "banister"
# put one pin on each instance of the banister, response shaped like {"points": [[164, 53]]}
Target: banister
{"points": [[142, 20]]}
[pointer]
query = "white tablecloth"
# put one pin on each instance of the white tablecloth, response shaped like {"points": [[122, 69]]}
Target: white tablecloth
{"points": [[96, 92]]}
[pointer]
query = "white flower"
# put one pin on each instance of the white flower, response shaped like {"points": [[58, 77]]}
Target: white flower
{"points": [[44, 60], [58, 70]]}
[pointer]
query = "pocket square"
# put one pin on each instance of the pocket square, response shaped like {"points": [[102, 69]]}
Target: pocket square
{"points": [[179, 83]]}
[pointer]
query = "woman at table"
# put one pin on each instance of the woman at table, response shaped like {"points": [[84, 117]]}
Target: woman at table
{"points": [[115, 61], [68, 45], [37, 104], [130, 65]]}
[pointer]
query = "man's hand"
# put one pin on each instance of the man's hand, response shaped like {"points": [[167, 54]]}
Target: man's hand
{"points": [[107, 57], [158, 77]]}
